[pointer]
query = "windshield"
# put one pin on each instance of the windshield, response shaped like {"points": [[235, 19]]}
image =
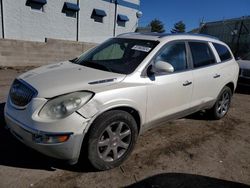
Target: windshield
{"points": [[117, 55]]}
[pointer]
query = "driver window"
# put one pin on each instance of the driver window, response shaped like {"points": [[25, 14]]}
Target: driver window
{"points": [[175, 54]]}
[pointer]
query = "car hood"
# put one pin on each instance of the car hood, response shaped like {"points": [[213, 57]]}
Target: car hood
{"points": [[57, 79], [244, 64]]}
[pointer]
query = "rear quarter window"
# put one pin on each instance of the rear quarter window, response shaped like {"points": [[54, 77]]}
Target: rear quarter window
{"points": [[223, 52]]}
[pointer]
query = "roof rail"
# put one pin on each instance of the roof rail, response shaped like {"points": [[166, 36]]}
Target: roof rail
{"points": [[142, 33], [190, 34], [162, 35]]}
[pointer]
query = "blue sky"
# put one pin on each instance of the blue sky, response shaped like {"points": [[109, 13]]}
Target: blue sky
{"points": [[191, 11]]}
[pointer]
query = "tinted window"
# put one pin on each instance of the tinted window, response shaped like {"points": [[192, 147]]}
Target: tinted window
{"points": [[223, 52], [175, 54], [202, 54]]}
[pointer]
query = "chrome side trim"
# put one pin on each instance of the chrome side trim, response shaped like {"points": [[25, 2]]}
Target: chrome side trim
{"points": [[102, 81]]}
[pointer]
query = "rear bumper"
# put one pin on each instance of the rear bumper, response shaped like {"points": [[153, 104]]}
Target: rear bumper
{"points": [[68, 150]]}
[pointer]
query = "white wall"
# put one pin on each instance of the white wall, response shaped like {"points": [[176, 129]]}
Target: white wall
{"points": [[131, 25], [91, 31], [23, 23]]}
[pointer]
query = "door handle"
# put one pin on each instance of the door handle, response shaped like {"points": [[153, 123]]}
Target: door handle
{"points": [[187, 83], [216, 75]]}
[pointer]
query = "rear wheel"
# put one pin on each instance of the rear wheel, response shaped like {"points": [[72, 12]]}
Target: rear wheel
{"points": [[111, 139], [222, 104]]}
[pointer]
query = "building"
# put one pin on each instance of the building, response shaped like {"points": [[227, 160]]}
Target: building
{"points": [[235, 32], [75, 20]]}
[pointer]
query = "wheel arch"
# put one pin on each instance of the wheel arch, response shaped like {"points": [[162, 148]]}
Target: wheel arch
{"points": [[132, 111], [231, 86], [135, 113]]}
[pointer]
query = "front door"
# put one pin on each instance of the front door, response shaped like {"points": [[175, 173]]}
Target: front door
{"points": [[169, 94]]}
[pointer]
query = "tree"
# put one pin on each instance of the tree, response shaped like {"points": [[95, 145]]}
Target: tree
{"points": [[157, 26], [179, 27]]}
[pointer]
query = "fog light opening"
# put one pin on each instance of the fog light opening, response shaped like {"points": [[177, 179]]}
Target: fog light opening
{"points": [[50, 139]]}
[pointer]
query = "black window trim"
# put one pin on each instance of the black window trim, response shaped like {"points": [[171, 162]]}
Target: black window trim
{"points": [[42, 2], [219, 54], [33, 3], [99, 12], [74, 7], [192, 62], [122, 18], [152, 61]]}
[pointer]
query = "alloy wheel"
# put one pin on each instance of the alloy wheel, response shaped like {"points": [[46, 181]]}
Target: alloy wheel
{"points": [[223, 104], [114, 141]]}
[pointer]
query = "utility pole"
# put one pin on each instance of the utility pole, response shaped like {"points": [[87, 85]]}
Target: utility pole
{"points": [[77, 22], [2, 20], [115, 17]]}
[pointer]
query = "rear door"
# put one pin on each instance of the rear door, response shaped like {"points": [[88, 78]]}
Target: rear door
{"points": [[206, 73]]}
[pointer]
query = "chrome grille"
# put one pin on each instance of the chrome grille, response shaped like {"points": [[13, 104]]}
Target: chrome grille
{"points": [[245, 72], [21, 93]]}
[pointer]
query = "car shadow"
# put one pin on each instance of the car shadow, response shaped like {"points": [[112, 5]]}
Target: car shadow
{"points": [[179, 180], [16, 154], [243, 89], [201, 115]]}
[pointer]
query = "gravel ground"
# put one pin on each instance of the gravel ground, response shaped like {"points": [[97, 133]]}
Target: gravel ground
{"points": [[189, 152]]}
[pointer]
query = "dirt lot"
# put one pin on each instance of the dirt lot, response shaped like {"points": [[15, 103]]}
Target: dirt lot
{"points": [[190, 152]]}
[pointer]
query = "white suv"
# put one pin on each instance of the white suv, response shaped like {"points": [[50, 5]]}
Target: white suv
{"points": [[112, 93]]}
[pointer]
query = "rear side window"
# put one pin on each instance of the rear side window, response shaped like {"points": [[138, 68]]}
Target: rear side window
{"points": [[222, 51], [201, 54]]}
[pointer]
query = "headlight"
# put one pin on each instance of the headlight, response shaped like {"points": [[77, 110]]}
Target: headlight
{"points": [[62, 106]]}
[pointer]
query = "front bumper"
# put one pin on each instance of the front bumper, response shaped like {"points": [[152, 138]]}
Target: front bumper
{"points": [[25, 128]]}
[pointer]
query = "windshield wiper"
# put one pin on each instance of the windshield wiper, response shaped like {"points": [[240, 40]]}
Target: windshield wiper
{"points": [[73, 60]]}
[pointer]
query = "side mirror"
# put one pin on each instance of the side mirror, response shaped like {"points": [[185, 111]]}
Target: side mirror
{"points": [[164, 67]]}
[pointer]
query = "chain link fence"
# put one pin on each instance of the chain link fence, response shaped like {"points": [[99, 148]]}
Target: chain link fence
{"points": [[234, 32]]}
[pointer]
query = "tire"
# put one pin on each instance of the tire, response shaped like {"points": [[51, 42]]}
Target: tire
{"points": [[222, 104], [112, 137]]}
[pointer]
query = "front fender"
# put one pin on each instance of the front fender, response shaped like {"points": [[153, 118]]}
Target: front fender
{"points": [[106, 101]]}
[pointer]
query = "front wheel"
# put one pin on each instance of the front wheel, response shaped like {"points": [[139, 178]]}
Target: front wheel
{"points": [[111, 139], [222, 104]]}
